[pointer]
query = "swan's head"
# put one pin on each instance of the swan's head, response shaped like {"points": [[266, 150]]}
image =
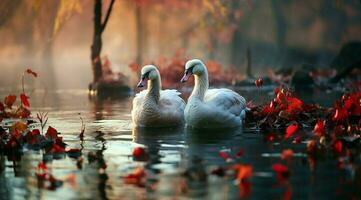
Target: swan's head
{"points": [[149, 72], [194, 67]]}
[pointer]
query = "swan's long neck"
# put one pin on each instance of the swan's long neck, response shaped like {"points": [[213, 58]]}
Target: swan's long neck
{"points": [[154, 87], [200, 85]]}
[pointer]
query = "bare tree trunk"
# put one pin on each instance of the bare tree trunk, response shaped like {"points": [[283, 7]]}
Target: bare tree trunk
{"points": [[141, 33], [96, 47], [97, 42]]}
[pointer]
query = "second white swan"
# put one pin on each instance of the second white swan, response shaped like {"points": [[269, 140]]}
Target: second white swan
{"points": [[211, 108]]}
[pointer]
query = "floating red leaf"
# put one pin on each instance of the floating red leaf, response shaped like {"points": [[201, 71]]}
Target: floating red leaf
{"points": [[290, 130], [319, 128], [287, 154], [57, 149], [24, 100], [31, 72], [137, 177], [243, 172], [258, 82], [140, 153], [224, 155], [281, 171], [294, 105], [51, 133], [337, 146]]}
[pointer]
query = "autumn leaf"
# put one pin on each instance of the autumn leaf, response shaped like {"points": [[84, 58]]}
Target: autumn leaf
{"points": [[31, 72], [319, 128], [57, 149], [287, 154], [258, 82], [294, 105], [337, 146], [290, 130], [224, 155], [281, 171], [140, 153], [24, 100], [136, 177], [51, 133], [243, 172], [10, 100]]}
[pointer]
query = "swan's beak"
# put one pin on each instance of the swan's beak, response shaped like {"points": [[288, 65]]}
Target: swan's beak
{"points": [[141, 83], [185, 77]]}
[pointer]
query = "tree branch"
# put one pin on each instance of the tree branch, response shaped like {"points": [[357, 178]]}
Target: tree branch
{"points": [[108, 15]]}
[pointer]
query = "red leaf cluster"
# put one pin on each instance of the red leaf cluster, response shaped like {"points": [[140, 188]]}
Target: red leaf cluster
{"points": [[319, 128], [258, 82], [281, 171], [140, 154], [137, 177], [290, 130], [24, 100]]}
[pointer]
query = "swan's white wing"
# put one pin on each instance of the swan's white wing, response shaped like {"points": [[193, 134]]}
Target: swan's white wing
{"points": [[171, 100], [225, 99]]}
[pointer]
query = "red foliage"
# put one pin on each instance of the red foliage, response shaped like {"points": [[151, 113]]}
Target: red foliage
{"points": [[291, 129], [337, 146], [10, 100], [137, 177], [258, 82], [140, 153], [51, 133], [24, 100], [287, 154], [57, 149], [224, 155], [244, 172], [240, 153], [294, 105], [319, 128], [281, 171]]}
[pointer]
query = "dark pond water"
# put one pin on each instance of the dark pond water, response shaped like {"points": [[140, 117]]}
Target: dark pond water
{"points": [[172, 151]]}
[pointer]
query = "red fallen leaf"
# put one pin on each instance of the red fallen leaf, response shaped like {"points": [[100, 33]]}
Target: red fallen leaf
{"points": [[51, 133], [294, 105], [290, 130], [287, 195], [287, 154], [240, 153], [139, 152], [137, 177], [270, 137], [31, 72], [42, 168], [281, 171], [12, 143], [258, 82], [9, 100], [245, 189], [57, 149], [224, 155], [297, 140], [269, 109], [32, 136], [23, 113], [243, 172], [340, 114], [24, 100], [319, 128], [337, 146]]}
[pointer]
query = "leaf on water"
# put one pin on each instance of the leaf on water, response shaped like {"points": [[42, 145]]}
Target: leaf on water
{"points": [[290, 130], [287, 154], [51, 133], [19, 126]]}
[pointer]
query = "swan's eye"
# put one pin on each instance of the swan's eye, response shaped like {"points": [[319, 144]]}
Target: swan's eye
{"points": [[189, 70], [146, 75]]}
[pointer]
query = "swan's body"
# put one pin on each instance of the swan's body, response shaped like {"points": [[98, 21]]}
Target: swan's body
{"points": [[211, 108], [155, 107]]}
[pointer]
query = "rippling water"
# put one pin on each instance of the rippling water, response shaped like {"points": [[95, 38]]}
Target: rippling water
{"points": [[172, 152]]}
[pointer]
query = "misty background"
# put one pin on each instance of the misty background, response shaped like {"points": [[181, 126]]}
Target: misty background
{"points": [[54, 37]]}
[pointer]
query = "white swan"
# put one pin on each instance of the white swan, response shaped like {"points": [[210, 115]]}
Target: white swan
{"points": [[155, 107], [211, 108]]}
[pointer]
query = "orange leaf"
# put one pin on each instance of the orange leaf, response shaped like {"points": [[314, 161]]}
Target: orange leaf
{"points": [[19, 126], [51, 133], [287, 154]]}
